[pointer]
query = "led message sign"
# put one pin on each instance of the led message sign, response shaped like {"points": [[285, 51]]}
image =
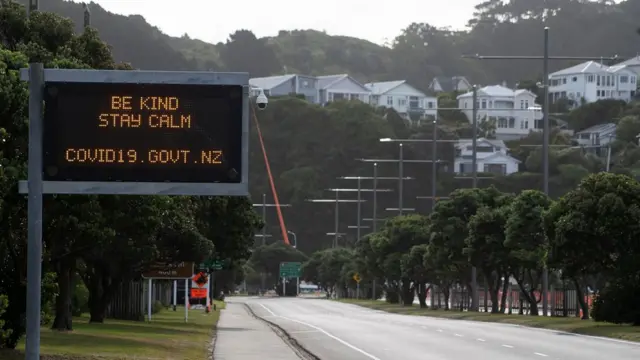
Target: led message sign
{"points": [[142, 132]]}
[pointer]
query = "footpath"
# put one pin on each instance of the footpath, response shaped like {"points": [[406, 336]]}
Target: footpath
{"points": [[240, 336]]}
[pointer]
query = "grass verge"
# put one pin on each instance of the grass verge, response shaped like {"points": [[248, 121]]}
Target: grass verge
{"points": [[166, 337], [570, 324]]}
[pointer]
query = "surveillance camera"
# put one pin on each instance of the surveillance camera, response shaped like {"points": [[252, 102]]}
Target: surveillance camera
{"points": [[262, 100]]}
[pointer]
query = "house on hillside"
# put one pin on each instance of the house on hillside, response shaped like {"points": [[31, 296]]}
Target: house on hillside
{"points": [[449, 84], [405, 99], [592, 81], [596, 136], [514, 112], [341, 87], [492, 157], [286, 85]]}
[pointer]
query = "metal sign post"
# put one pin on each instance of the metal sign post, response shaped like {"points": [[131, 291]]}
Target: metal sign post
{"points": [[34, 221]]}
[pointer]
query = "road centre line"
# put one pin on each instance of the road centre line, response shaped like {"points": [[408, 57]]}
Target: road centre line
{"points": [[352, 347]]}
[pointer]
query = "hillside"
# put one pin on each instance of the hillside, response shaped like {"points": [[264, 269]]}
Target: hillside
{"points": [[419, 53]]}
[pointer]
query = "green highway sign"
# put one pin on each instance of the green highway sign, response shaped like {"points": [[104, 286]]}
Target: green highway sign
{"points": [[212, 264], [290, 269]]}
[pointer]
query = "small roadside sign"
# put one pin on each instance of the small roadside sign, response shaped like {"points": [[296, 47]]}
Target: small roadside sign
{"points": [[290, 269], [211, 265], [160, 270], [356, 278], [198, 293], [199, 280]]}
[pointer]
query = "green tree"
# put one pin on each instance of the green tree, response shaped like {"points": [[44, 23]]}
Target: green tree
{"points": [[527, 243]]}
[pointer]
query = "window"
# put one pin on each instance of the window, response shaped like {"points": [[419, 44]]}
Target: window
{"points": [[414, 102], [574, 79], [624, 79], [598, 82], [512, 122], [502, 122], [402, 102], [390, 100], [608, 80], [466, 168], [500, 169], [521, 104], [590, 78], [564, 80], [484, 104], [526, 104], [633, 79], [430, 104], [578, 95]]}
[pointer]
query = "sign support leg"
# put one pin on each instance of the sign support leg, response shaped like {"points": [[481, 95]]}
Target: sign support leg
{"points": [[149, 298], [175, 294], [34, 221], [284, 290], [186, 300]]}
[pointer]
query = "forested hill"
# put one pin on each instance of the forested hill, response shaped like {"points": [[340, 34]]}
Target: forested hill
{"points": [[420, 52]]}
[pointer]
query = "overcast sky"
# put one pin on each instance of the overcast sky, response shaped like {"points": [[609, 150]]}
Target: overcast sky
{"points": [[214, 20]]}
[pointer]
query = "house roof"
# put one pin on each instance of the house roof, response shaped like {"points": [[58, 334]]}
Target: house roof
{"points": [[326, 81], [270, 82], [634, 61], [497, 143], [598, 129], [496, 91], [502, 155], [379, 88], [591, 67], [448, 83]]}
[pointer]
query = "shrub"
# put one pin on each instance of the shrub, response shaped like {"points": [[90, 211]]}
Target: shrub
{"points": [[4, 333]]}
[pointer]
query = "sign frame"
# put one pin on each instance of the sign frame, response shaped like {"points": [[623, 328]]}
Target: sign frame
{"points": [[288, 265], [151, 188], [189, 265]]}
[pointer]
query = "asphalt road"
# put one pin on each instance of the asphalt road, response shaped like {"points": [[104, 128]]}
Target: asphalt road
{"points": [[337, 331]]}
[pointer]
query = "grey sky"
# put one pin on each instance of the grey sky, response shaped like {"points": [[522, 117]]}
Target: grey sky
{"points": [[214, 20]]}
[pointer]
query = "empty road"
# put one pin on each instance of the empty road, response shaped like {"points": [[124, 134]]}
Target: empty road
{"points": [[337, 331]]}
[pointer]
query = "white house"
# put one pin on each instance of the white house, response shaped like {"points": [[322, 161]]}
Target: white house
{"points": [[449, 84], [403, 98], [341, 87], [282, 85], [595, 136], [514, 112], [592, 81], [492, 157]]}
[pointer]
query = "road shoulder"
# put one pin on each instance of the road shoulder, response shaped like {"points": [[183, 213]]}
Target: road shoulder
{"points": [[241, 336]]}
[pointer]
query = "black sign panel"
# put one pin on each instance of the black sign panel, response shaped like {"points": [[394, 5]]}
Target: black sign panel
{"points": [[143, 133]]}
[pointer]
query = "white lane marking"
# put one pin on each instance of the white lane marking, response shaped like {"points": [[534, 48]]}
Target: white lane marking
{"points": [[326, 333], [482, 340], [439, 330], [458, 335], [268, 310], [507, 346], [541, 354]]}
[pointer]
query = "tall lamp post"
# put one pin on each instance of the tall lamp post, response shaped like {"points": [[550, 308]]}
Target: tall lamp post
{"points": [[295, 238], [545, 134], [336, 232]]}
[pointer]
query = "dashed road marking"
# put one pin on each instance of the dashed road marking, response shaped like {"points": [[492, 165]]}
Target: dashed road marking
{"points": [[541, 354], [507, 346], [439, 330], [458, 335], [481, 340]]}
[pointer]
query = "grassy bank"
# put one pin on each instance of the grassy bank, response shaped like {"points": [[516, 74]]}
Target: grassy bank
{"points": [[166, 337], [570, 324]]}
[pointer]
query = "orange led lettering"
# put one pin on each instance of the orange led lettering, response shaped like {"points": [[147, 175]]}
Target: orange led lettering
{"points": [[159, 103], [101, 155], [120, 120], [211, 157], [169, 121], [168, 156], [121, 103]]}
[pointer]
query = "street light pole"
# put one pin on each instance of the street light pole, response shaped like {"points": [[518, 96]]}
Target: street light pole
{"points": [[264, 218], [545, 156], [295, 238], [400, 182], [336, 220], [359, 211], [475, 298], [375, 197], [434, 163]]}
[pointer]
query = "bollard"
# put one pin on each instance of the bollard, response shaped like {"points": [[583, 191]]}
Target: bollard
{"points": [[215, 307]]}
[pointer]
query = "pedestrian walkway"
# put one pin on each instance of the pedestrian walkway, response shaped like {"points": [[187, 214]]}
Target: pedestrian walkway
{"points": [[240, 336]]}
